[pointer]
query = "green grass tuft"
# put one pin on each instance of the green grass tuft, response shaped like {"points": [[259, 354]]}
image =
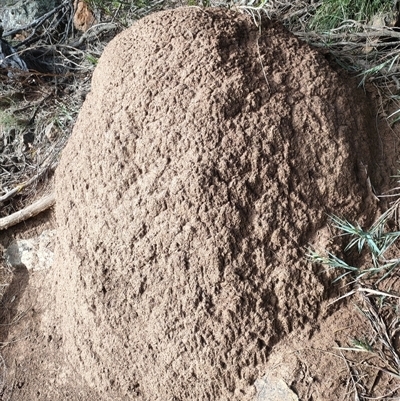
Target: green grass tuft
{"points": [[333, 13]]}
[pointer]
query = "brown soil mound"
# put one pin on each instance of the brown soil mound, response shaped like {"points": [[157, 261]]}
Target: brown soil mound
{"points": [[203, 161]]}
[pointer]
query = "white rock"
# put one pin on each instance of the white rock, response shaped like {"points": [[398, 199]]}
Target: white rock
{"points": [[271, 388], [35, 253], [19, 13]]}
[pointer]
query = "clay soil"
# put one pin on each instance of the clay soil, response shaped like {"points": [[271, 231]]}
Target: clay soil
{"points": [[205, 160]]}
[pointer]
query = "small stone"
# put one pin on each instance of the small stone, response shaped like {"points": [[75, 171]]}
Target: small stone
{"points": [[34, 253], [271, 388]]}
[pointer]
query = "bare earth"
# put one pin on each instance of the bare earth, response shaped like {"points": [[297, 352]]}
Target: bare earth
{"points": [[204, 161]]}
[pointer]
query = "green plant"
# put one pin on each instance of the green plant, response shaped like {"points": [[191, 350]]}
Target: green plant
{"points": [[376, 240], [334, 13], [92, 59], [372, 280]]}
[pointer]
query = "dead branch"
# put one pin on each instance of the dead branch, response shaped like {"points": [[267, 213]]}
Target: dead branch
{"points": [[32, 210], [93, 33], [20, 187]]}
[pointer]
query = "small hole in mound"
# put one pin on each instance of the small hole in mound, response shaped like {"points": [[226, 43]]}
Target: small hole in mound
{"points": [[261, 344]]}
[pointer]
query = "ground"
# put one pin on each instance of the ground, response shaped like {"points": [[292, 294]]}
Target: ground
{"points": [[60, 345]]}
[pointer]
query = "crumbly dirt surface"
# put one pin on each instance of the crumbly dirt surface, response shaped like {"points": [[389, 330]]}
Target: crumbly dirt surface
{"points": [[203, 162]]}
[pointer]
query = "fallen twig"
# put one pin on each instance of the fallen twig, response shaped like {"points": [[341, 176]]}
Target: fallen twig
{"points": [[93, 32], [32, 210], [20, 187]]}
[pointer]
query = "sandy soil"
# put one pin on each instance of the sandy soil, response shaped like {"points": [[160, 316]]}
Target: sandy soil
{"points": [[204, 161]]}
